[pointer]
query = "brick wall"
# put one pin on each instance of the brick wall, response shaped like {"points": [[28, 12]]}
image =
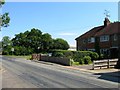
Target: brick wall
{"points": [[63, 61]]}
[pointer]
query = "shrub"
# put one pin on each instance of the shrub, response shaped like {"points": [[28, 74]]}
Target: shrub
{"points": [[87, 60], [67, 53], [58, 54], [5, 53], [83, 57], [81, 61], [101, 56], [94, 55], [75, 63]]}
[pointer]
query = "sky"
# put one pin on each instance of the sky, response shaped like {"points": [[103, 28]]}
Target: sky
{"points": [[66, 20]]}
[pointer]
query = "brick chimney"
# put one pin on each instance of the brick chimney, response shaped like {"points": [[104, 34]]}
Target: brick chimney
{"points": [[106, 22]]}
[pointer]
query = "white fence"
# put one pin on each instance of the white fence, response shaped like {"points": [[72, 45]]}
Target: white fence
{"points": [[108, 63]]}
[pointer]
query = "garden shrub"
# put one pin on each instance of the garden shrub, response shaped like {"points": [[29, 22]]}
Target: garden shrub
{"points": [[75, 63], [87, 60], [83, 57], [94, 56], [81, 61], [58, 54]]}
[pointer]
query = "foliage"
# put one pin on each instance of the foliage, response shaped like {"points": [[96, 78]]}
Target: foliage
{"points": [[58, 54], [2, 2], [83, 57], [7, 50], [33, 41], [46, 42], [87, 59], [6, 45], [4, 19], [75, 63], [66, 53], [94, 55], [6, 41], [60, 44]]}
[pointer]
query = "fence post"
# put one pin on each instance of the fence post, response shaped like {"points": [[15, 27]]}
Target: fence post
{"points": [[93, 64], [108, 64]]}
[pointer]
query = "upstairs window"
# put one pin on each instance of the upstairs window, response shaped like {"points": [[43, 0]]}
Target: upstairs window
{"points": [[91, 40], [115, 37], [84, 41], [104, 38]]}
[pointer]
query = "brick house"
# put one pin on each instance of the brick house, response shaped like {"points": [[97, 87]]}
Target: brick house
{"points": [[102, 39]]}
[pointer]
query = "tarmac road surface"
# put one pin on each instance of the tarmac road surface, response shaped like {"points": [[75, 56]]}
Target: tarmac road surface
{"points": [[19, 73]]}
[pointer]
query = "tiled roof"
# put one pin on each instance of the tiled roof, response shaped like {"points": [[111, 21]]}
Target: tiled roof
{"points": [[112, 28], [91, 33]]}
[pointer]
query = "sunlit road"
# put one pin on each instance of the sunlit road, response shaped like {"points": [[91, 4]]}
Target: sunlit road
{"points": [[19, 73]]}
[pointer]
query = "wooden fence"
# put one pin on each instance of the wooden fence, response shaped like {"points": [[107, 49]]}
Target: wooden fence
{"points": [[108, 63]]}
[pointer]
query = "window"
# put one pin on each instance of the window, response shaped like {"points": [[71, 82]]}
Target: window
{"points": [[84, 41], [115, 37], [91, 40], [104, 51], [104, 38], [91, 50]]}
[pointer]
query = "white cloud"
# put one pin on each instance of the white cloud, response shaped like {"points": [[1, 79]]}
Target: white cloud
{"points": [[67, 34]]}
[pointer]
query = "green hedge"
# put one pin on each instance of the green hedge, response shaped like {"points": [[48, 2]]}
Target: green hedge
{"points": [[83, 57]]}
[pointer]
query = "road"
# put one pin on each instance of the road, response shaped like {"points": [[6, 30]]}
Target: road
{"points": [[19, 73]]}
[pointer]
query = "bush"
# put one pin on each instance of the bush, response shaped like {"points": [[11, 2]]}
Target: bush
{"points": [[87, 60], [81, 61], [64, 53], [75, 63], [83, 57], [5, 53], [94, 55], [58, 54]]}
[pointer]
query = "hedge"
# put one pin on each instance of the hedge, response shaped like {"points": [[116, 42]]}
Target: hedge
{"points": [[83, 57]]}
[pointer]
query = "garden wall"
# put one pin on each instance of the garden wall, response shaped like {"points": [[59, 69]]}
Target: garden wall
{"points": [[59, 60]]}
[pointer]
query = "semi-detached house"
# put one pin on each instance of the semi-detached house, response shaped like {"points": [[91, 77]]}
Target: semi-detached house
{"points": [[106, 38]]}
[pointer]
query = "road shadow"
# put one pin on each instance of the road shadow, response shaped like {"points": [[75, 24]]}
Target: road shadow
{"points": [[110, 76]]}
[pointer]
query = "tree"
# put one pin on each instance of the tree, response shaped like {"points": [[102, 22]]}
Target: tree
{"points": [[30, 40], [6, 45], [35, 42], [6, 41], [60, 44], [4, 19], [46, 42]]}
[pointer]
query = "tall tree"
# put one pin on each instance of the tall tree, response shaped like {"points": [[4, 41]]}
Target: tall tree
{"points": [[4, 19], [29, 39], [46, 41], [34, 42], [6, 41], [6, 45], [60, 44]]}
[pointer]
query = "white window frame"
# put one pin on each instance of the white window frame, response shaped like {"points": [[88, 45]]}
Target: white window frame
{"points": [[104, 38], [104, 51], [115, 37], [91, 49]]}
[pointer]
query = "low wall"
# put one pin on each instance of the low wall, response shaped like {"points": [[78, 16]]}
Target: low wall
{"points": [[36, 56], [63, 61]]}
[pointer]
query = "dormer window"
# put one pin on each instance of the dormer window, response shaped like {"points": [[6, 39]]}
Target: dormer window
{"points": [[104, 38]]}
